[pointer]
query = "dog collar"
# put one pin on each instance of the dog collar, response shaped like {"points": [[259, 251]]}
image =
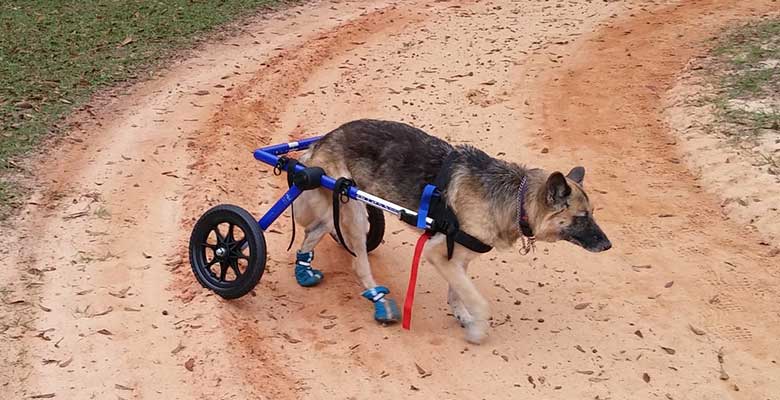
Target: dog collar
{"points": [[522, 216]]}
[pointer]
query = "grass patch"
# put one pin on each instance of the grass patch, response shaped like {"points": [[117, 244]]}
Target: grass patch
{"points": [[747, 71], [55, 54]]}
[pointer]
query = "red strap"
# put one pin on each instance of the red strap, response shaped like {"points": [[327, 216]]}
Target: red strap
{"points": [[407, 317]]}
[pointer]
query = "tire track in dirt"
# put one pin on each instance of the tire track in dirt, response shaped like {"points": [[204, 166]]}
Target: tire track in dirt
{"points": [[490, 73], [605, 107], [94, 316], [249, 120]]}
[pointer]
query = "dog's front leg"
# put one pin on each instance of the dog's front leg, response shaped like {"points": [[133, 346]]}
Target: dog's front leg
{"points": [[463, 291], [355, 228], [458, 309]]}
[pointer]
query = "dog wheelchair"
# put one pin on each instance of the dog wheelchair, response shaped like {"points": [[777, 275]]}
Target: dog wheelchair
{"points": [[227, 248]]}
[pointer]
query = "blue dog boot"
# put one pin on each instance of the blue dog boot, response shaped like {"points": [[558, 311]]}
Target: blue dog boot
{"points": [[385, 309], [304, 273]]}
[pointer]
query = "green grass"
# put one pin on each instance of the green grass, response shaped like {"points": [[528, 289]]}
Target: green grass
{"points": [[743, 72], [54, 54]]}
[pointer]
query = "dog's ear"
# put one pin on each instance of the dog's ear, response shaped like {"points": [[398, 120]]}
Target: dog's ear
{"points": [[557, 189], [577, 174]]}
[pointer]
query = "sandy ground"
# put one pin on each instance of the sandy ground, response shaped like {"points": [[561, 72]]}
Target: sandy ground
{"points": [[741, 171], [98, 300]]}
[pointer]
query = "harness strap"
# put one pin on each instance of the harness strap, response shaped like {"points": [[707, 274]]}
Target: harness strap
{"points": [[291, 163], [409, 301], [340, 195], [445, 220], [425, 204]]}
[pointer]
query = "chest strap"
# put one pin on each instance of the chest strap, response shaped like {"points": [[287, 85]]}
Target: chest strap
{"points": [[434, 205]]}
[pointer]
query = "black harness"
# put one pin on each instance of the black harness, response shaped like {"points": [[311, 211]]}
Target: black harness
{"points": [[444, 219], [433, 202]]}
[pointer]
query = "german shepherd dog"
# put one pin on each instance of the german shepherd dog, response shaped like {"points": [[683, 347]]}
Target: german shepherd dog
{"points": [[395, 161]]}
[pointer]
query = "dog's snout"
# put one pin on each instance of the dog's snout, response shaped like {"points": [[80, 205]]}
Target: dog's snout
{"points": [[606, 245]]}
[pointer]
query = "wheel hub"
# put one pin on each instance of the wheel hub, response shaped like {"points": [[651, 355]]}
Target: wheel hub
{"points": [[220, 252]]}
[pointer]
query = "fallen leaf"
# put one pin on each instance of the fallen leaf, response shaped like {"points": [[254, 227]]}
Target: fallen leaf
{"points": [[127, 41], [190, 364], [122, 387], [75, 215], [585, 372], [145, 254], [423, 373], [420, 370], [105, 332], [43, 396], [723, 375], [65, 363], [639, 333], [98, 314], [120, 294], [669, 350], [290, 339], [415, 388], [578, 347], [201, 92], [697, 330], [669, 284], [581, 306], [178, 348], [646, 377]]}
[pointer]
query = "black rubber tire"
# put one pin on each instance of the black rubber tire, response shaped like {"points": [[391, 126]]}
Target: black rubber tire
{"points": [[376, 229], [246, 281]]}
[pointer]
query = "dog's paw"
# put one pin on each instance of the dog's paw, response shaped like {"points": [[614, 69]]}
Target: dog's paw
{"points": [[386, 311], [461, 314], [476, 332], [385, 308], [305, 275]]}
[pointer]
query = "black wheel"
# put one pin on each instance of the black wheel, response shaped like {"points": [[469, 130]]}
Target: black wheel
{"points": [[376, 229], [227, 251]]}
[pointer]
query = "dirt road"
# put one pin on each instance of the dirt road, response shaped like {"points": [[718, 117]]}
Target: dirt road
{"points": [[99, 302]]}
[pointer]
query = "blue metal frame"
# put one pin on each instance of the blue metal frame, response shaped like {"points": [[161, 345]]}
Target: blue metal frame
{"points": [[271, 156]]}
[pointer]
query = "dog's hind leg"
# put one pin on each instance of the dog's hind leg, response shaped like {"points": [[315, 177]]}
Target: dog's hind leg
{"points": [[354, 226], [313, 212], [462, 289]]}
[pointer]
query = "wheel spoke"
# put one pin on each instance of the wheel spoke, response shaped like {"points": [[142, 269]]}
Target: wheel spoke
{"points": [[220, 238], [230, 237], [240, 244], [212, 262], [223, 271], [234, 266]]}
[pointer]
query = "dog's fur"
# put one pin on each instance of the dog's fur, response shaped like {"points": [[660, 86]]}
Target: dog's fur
{"points": [[395, 161]]}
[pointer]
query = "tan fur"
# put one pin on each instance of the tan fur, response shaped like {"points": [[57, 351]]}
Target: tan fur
{"points": [[493, 221]]}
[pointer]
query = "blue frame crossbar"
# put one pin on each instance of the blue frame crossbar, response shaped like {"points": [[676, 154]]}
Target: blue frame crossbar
{"points": [[271, 156]]}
